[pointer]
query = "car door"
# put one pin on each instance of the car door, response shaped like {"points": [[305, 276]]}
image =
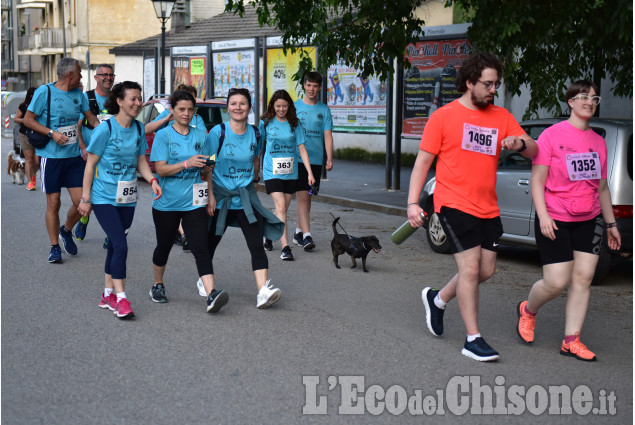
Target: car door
{"points": [[514, 192]]}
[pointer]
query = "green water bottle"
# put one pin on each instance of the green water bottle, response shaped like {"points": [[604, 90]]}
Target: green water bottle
{"points": [[405, 230]]}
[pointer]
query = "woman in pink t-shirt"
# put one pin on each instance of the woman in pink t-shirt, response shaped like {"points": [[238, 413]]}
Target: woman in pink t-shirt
{"points": [[573, 207]]}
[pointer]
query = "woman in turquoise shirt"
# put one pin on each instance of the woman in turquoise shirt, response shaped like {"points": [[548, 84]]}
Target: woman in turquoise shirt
{"points": [[237, 145], [283, 136], [115, 153], [178, 155]]}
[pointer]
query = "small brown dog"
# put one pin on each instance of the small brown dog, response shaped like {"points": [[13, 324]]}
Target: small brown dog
{"points": [[355, 247], [15, 168]]}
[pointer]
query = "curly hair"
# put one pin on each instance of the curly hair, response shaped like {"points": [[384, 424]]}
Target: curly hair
{"points": [[270, 113], [118, 91], [473, 66]]}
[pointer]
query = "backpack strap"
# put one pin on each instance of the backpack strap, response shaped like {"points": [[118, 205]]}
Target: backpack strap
{"points": [[221, 140]]}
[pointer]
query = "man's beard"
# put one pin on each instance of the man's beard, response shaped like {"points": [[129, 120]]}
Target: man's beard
{"points": [[481, 103]]}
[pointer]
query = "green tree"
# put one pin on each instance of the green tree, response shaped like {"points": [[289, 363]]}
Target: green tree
{"points": [[547, 44], [364, 33]]}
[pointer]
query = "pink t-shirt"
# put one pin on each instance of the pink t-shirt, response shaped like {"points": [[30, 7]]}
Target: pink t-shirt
{"points": [[577, 162]]}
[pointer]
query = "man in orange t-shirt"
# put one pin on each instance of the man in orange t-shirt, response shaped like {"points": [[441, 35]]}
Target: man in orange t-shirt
{"points": [[467, 136]]}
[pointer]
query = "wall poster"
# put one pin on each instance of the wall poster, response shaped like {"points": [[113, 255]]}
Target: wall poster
{"points": [[189, 66], [280, 70]]}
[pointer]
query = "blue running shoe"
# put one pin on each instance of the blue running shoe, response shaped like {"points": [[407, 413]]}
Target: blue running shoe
{"points": [[297, 239], [308, 243], [80, 229], [55, 256], [66, 240], [479, 350]]}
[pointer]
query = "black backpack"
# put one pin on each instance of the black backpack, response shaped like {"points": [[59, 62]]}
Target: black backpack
{"points": [[93, 106], [222, 137]]}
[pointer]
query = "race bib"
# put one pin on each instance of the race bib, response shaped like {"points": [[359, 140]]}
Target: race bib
{"points": [[283, 166], [103, 117], [583, 166], [69, 131], [480, 139], [126, 192], [199, 194]]}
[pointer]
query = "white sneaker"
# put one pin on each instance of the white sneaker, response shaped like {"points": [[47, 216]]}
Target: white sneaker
{"points": [[201, 288], [268, 295]]}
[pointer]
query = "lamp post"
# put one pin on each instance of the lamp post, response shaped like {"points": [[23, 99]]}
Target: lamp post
{"points": [[163, 9]]}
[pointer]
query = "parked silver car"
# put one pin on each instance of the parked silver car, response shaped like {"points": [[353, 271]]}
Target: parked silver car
{"points": [[517, 210]]}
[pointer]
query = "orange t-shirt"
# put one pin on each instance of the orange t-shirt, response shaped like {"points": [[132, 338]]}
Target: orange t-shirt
{"points": [[468, 144]]}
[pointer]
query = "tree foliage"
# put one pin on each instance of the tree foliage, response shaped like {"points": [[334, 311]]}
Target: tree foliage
{"points": [[547, 44], [542, 43], [364, 33]]}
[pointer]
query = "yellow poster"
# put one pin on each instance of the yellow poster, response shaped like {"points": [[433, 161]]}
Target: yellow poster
{"points": [[280, 70], [197, 66]]}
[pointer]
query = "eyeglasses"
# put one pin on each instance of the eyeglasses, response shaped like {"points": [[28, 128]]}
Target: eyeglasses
{"points": [[488, 84], [106, 75], [236, 90], [585, 98]]}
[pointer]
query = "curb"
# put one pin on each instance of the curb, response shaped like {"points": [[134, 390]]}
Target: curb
{"points": [[346, 202]]}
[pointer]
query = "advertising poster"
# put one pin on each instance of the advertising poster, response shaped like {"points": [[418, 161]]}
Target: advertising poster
{"points": [[280, 70], [189, 66], [148, 78], [233, 69], [356, 103], [429, 82]]}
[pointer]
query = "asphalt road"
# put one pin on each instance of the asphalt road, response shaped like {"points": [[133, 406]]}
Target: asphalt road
{"points": [[65, 361]]}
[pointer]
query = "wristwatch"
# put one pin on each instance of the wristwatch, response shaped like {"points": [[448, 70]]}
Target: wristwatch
{"points": [[524, 146], [50, 133]]}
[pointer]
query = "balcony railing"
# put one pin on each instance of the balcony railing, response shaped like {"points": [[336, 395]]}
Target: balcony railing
{"points": [[6, 4], [44, 38]]}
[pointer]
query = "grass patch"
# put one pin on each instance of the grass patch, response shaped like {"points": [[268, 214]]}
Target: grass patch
{"points": [[362, 155]]}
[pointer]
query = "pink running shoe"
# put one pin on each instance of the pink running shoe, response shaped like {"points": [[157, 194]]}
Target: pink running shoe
{"points": [[109, 302], [123, 310]]}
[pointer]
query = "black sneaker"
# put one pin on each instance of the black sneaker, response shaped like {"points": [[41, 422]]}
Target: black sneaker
{"points": [[479, 350], [157, 293], [308, 243], [186, 244], [434, 314], [267, 244], [178, 239], [216, 300], [286, 254], [297, 239]]}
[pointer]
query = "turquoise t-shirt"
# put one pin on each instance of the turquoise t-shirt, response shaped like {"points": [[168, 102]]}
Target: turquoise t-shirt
{"points": [[197, 121], [66, 107], [173, 147], [87, 132], [235, 161], [118, 149], [280, 150], [315, 119]]}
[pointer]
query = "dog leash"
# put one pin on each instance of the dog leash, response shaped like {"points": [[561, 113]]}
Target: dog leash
{"points": [[351, 238]]}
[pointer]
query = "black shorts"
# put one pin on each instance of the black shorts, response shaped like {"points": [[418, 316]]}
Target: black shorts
{"points": [[303, 177], [465, 231], [280, 185], [583, 236]]}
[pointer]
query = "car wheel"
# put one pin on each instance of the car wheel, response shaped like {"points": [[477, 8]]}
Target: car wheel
{"points": [[437, 239], [604, 265]]}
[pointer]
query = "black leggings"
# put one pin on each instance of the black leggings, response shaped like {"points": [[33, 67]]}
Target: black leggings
{"points": [[253, 237], [194, 222]]}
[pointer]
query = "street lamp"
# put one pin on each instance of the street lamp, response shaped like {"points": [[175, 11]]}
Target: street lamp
{"points": [[163, 9]]}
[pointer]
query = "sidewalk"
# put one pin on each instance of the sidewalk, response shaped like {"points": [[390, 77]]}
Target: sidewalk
{"points": [[363, 185]]}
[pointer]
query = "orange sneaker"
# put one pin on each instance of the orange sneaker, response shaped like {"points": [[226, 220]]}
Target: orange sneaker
{"points": [[578, 350], [31, 185], [526, 323]]}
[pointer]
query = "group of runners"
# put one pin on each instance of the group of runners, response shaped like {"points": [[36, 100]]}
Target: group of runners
{"points": [[206, 182]]}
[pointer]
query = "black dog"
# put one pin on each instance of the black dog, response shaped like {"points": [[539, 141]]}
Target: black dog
{"points": [[355, 247]]}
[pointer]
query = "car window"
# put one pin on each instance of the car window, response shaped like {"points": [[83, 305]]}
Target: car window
{"points": [[535, 131], [629, 157], [212, 115], [600, 131], [157, 108], [144, 114], [512, 160]]}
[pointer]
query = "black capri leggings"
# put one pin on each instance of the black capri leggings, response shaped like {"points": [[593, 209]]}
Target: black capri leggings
{"points": [[253, 237], [166, 224]]}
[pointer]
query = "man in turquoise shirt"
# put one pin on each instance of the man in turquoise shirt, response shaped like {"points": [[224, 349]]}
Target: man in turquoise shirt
{"points": [[317, 123], [61, 163]]}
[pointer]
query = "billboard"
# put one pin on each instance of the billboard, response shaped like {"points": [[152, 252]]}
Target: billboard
{"points": [[430, 82], [189, 66], [280, 70], [356, 103]]}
